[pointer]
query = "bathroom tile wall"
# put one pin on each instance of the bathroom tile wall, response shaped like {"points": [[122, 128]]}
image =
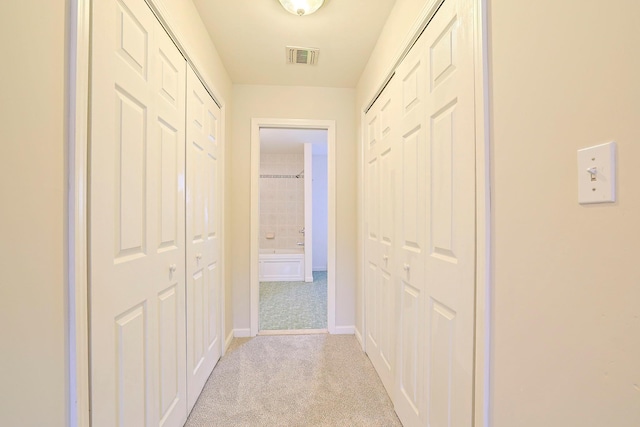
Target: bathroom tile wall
{"points": [[281, 201]]}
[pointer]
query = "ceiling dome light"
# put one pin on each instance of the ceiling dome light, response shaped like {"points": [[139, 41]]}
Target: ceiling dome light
{"points": [[301, 7]]}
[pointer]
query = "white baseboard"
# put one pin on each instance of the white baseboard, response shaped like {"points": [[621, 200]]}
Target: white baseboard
{"points": [[242, 333], [227, 341], [359, 337], [345, 330]]}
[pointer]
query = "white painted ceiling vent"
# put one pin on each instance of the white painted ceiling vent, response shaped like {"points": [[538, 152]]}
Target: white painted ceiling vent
{"points": [[302, 55]]}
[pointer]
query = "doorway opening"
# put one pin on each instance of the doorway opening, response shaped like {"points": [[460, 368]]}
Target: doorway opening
{"points": [[292, 226], [292, 259]]}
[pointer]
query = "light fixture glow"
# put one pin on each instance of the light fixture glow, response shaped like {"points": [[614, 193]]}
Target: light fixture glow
{"points": [[301, 7]]}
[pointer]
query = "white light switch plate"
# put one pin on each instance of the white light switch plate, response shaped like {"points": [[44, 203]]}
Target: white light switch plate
{"points": [[597, 174]]}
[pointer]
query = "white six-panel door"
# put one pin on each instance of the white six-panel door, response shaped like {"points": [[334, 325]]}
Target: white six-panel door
{"points": [[381, 147], [203, 236], [137, 245], [432, 257], [409, 268], [451, 229]]}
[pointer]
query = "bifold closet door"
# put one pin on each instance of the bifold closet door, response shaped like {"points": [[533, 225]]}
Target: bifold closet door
{"points": [[451, 209], [380, 292], [436, 266], [137, 244], [408, 269], [204, 204]]}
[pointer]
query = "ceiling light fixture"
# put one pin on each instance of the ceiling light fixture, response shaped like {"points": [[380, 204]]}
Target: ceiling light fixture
{"points": [[301, 7]]}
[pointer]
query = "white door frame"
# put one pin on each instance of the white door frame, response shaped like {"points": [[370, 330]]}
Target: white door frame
{"points": [[308, 211], [330, 126], [78, 131], [483, 196], [77, 316]]}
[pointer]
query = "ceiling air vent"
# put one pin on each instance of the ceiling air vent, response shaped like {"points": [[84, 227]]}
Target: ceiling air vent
{"points": [[302, 55]]}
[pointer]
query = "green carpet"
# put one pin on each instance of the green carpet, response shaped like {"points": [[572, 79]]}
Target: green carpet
{"points": [[294, 305]]}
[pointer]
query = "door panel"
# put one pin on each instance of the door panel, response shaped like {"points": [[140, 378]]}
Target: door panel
{"points": [[441, 357], [136, 220], [437, 249], [171, 158], [441, 230], [132, 366], [131, 168], [450, 264], [410, 366], [213, 315], [169, 167], [386, 190], [373, 309], [197, 305], [412, 184], [379, 192], [204, 342], [409, 268], [372, 249], [171, 364]]}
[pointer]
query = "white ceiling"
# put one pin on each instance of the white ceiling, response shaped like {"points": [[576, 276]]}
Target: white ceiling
{"points": [[251, 36], [277, 140]]}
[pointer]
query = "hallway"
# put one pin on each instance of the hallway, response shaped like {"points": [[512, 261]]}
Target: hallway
{"points": [[295, 380], [556, 323]]}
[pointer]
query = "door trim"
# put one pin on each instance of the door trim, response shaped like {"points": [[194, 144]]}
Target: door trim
{"points": [[483, 301], [78, 130], [362, 228], [484, 260], [254, 295]]}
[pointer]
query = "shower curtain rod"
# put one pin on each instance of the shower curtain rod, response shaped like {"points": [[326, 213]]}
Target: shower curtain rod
{"points": [[300, 175]]}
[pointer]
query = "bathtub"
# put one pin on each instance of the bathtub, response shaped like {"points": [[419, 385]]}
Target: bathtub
{"points": [[281, 265]]}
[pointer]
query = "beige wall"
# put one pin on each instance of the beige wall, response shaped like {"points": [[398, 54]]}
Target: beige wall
{"points": [[566, 350], [32, 215], [184, 19], [388, 47], [291, 102]]}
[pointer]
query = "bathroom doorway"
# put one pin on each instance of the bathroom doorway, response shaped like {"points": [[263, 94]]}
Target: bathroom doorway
{"points": [[292, 226], [292, 259]]}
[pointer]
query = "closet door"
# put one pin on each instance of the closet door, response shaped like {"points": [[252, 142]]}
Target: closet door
{"points": [[380, 193], [168, 180], [451, 232], [204, 342], [137, 317], [409, 266], [436, 268]]}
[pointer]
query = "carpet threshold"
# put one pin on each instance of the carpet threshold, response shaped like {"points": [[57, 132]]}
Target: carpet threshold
{"points": [[292, 331]]}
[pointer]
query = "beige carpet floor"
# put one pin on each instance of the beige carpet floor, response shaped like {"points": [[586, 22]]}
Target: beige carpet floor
{"points": [[294, 380]]}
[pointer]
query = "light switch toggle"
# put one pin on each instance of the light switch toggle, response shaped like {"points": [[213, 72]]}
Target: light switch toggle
{"points": [[598, 184]]}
